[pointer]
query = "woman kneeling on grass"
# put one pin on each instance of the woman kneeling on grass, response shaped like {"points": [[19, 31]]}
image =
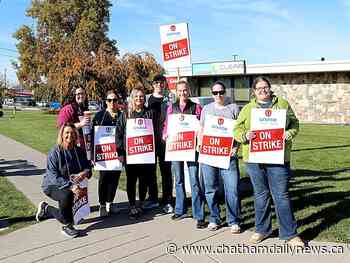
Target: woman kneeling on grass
{"points": [[66, 167], [269, 179]]}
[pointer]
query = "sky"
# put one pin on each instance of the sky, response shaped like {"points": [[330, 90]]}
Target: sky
{"points": [[259, 31]]}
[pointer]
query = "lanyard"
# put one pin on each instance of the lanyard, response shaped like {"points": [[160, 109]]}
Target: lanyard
{"points": [[77, 158]]}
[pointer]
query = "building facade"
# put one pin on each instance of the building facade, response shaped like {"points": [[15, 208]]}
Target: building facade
{"points": [[319, 92]]}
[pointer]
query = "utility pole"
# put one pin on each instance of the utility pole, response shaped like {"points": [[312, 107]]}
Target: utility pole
{"points": [[5, 78]]}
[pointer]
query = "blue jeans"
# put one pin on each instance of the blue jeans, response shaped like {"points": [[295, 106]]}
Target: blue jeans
{"points": [[230, 178], [272, 180], [197, 195]]}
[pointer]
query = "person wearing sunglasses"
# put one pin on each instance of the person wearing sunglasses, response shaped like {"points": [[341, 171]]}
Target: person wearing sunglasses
{"points": [[73, 112], [108, 180], [269, 180], [212, 176]]}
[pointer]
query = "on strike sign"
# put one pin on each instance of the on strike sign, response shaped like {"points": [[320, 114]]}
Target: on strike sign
{"points": [[175, 46], [81, 207], [217, 142], [175, 49], [106, 156], [268, 144], [181, 141], [139, 141]]}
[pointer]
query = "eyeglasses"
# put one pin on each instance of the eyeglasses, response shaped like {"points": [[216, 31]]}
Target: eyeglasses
{"points": [[262, 88], [220, 92], [112, 100]]}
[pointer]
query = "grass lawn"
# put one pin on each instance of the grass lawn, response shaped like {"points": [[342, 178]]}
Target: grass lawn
{"points": [[16, 210], [320, 187]]}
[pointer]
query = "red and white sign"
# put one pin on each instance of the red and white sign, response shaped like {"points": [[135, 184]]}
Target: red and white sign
{"points": [[217, 141], [81, 207], [181, 140], [171, 83], [175, 46], [139, 141], [268, 144], [105, 149]]}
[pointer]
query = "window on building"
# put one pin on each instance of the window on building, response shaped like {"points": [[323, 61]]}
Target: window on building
{"points": [[204, 86], [241, 88]]}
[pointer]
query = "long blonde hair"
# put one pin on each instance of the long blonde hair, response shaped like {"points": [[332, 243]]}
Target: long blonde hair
{"points": [[131, 103], [60, 134]]}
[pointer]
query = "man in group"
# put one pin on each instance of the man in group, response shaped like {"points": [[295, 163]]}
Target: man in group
{"points": [[158, 103]]}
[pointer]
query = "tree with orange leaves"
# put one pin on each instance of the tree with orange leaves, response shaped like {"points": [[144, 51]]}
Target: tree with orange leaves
{"points": [[70, 48]]}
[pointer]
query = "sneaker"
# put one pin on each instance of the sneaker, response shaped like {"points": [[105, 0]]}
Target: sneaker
{"points": [[150, 205], [201, 224], [112, 208], [69, 231], [134, 213], [296, 242], [103, 211], [256, 238], [41, 212], [168, 209], [178, 217], [235, 229], [213, 226]]}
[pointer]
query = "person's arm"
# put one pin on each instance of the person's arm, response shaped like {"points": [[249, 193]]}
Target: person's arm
{"points": [[293, 124], [201, 127], [119, 134], [65, 115], [165, 127], [53, 171], [85, 163], [198, 111], [240, 130]]}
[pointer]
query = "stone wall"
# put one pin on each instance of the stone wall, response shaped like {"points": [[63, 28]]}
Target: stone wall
{"points": [[316, 97]]}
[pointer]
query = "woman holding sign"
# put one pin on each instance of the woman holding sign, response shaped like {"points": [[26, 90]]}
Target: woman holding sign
{"points": [[218, 158], [184, 106], [136, 148], [269, 179], [108, 179], [67, 166]]}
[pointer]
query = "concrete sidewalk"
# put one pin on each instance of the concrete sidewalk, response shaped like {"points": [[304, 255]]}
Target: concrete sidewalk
{"points": [[153, 238]]}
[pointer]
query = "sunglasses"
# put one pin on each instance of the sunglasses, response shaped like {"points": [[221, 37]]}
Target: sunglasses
{"points": [[220, 92], [79, 94], [112, 100]]}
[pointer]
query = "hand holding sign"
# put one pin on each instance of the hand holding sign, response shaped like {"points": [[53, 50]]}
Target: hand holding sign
{"points": [[250, 135]]}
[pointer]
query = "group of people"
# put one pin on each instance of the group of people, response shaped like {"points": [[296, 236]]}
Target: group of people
{"points": [[268, 180]]}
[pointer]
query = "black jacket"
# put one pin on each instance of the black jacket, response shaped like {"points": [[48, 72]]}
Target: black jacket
{"points": [[120, 132]]}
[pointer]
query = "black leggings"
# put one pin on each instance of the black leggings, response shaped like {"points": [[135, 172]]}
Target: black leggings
{"points": [[107, 186], [64, 213], [142, 172]]}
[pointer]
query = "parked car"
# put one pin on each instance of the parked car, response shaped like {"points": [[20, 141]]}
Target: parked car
{"points": [[9, 101], [55, 105], [24, 101], [42, 104]]}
